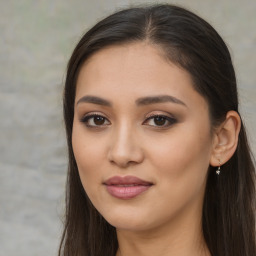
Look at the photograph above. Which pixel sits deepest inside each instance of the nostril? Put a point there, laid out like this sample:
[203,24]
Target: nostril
[122,163]
[125,160]
[125,150]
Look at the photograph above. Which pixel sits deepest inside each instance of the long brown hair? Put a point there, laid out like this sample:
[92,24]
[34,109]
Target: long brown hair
[190,42]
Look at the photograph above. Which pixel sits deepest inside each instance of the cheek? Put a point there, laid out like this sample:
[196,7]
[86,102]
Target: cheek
[183,158]
[89,156]
[181,164]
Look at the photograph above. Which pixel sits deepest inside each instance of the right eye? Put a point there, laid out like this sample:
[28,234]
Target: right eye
[95,120]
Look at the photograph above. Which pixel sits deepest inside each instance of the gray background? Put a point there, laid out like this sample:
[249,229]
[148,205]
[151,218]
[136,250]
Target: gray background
[36,40]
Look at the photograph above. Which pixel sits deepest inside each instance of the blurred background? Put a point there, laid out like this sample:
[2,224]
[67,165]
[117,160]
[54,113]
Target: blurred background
[36,40]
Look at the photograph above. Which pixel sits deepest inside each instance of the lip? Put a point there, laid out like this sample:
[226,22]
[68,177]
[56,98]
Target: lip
[126,187]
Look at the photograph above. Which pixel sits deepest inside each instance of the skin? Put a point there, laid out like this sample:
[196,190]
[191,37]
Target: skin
[174,157]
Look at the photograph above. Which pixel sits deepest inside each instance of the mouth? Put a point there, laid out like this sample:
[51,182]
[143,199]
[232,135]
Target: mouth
[126,187]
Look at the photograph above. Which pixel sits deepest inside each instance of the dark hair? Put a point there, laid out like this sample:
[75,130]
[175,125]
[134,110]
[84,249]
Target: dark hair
[190,42]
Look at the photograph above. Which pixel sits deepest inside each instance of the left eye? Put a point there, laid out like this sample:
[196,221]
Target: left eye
[160,121]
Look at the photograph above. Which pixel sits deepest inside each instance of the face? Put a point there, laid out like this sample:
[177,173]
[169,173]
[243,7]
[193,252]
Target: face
[141,138]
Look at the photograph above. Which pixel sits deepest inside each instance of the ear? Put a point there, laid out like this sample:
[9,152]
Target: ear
[225,139]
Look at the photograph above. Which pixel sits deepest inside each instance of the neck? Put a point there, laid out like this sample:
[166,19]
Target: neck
[184,237]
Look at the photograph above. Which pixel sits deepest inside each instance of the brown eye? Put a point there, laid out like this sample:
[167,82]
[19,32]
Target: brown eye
[99,120]
[95,121]
[160,121]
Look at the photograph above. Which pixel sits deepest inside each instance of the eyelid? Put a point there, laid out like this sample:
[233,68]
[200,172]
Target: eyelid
[169,118]
[172,120]
[163,114]
[90,115]
[157,113]
[93,114]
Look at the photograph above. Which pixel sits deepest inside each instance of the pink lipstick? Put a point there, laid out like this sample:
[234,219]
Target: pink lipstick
[126,187]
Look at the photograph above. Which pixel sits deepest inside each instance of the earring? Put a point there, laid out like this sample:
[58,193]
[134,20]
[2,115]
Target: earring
[218,170]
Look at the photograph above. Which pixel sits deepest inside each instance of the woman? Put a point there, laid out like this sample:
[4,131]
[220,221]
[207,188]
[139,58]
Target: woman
[158,158]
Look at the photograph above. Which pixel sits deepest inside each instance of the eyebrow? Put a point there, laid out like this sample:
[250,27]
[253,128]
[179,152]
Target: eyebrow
[158,99]
[94,100]
[139,102]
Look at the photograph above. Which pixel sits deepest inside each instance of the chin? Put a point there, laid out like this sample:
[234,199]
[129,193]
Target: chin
[130,221]
[129,225]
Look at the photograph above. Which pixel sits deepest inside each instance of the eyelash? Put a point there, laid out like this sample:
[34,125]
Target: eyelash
[87,118]
[165,118]
[168,119]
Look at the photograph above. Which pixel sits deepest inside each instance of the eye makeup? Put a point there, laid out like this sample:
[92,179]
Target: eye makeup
[158,121]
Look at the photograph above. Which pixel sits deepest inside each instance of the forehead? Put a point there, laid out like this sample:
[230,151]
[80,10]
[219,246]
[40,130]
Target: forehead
[134,70]
[133,59]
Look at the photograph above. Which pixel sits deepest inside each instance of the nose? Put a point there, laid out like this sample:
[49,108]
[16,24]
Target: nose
[125,149]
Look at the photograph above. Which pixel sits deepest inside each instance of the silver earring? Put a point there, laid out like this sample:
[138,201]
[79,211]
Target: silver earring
[218,170]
